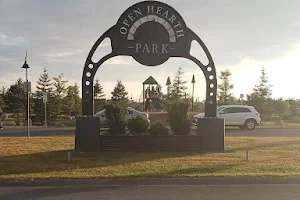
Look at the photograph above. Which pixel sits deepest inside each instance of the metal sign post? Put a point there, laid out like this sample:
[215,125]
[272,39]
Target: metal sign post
[45,99]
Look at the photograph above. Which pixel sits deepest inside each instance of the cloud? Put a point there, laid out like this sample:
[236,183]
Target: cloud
[12,41]
[240,35]
[281,72]
[296,23]
[62,56]
[119,61]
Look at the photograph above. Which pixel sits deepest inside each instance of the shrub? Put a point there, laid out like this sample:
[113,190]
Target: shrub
[158,129]
[137,125]
[115,118]
[178,118]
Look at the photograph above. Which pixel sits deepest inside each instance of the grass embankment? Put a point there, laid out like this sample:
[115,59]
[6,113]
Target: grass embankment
[34,158]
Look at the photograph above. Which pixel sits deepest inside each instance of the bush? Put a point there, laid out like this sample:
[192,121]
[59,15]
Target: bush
[178,118]
[115,118]
[158,129]
[137,125]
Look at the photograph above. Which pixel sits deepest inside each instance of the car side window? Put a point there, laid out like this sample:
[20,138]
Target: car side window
[235,110]
[243,110]
[228,110]
[130,112]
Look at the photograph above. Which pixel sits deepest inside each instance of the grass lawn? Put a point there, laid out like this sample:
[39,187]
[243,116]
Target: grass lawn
[34,158]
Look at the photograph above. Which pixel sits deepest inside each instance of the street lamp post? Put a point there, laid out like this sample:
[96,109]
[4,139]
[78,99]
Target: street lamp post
[27,88]
[168,83]
[241,98]
[193,82]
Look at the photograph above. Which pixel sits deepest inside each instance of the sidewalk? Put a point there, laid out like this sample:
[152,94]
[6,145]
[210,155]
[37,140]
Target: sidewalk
[155,181]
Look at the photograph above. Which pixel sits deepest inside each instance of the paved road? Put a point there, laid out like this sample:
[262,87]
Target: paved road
[265,132]
[151,192]
[258,132]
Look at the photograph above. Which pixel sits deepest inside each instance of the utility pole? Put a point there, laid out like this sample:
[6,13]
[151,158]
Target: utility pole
[193,82]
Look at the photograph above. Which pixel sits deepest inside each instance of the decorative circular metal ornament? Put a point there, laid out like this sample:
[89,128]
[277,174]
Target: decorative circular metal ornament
[151,32]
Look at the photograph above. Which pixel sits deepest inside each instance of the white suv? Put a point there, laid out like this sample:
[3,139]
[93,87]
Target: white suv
[243,116]
[131,113]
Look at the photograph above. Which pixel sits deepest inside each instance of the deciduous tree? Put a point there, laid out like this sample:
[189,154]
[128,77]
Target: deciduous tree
[60,89]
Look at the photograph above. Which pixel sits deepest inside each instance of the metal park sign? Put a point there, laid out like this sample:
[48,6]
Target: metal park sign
[151,32]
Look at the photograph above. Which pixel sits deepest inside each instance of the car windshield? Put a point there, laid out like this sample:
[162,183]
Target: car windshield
[220,108]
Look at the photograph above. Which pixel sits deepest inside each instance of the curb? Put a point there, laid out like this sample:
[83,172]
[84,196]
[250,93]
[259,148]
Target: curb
[153,181]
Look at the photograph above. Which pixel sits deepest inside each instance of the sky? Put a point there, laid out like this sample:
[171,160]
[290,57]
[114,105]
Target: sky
[242,36]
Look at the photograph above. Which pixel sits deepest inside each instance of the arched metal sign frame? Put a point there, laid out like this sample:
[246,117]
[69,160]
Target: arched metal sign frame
[151,32]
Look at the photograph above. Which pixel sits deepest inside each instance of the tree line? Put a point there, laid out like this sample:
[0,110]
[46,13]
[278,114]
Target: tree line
[63,100]
[260,98]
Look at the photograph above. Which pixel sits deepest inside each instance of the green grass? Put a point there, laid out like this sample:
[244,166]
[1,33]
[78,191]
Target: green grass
[40,158]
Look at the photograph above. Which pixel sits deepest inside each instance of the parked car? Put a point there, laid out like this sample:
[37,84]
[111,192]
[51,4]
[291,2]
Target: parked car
[243,116]
[130,114]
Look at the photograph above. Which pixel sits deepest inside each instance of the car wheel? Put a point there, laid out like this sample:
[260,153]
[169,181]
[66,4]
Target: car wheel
[250,124]
[242,127]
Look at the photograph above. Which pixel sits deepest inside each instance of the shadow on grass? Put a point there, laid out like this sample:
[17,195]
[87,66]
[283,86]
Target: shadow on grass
[50,163]
[55,161]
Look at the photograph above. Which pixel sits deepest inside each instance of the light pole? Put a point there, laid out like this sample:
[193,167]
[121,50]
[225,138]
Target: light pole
[45,99]
[193,82]
[27,88]
[168,83]
[241,98]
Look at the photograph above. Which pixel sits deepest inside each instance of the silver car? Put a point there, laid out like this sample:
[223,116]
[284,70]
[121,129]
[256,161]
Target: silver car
[243,116]
[130,114]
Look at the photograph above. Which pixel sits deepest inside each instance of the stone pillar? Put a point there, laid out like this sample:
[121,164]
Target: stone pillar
[212,132]
[87,138]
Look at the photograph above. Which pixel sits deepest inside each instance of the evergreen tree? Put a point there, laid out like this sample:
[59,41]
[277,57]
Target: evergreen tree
[59,92]
[98,90]
[99,101]
[260,98]
[178,88]
[15,99]
[59,85]
[2,94]
[262,91]
[224,95]
[119,93]
[44,85]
